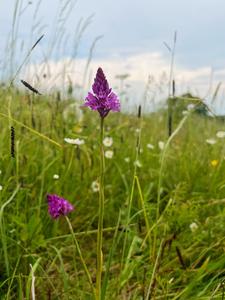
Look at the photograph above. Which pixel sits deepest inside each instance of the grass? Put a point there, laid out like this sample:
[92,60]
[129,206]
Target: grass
[149,248]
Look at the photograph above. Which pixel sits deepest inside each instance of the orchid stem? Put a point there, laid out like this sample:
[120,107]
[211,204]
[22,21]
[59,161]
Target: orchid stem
[100,215]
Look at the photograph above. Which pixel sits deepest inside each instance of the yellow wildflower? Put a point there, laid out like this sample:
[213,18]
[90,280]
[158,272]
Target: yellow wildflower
[214,162]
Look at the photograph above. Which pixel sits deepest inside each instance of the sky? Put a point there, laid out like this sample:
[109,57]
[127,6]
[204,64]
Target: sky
[132,36]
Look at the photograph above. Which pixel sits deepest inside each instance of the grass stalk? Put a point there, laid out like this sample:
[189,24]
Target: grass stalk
[162,162]
[80,255]
[171,85]
[31,130]
[111,253]
[145,213]
[30,288]
[2,229]
[154,273]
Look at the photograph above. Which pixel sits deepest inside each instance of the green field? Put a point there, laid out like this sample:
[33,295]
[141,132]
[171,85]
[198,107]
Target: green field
[164,208]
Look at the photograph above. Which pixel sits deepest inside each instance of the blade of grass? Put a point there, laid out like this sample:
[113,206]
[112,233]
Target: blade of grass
[109,261]
[30,281]
[2,229]
[32,130]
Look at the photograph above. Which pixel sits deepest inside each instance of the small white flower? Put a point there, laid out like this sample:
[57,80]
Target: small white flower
[161,145]
[109,154]
[211,141]
[171,280]
[184,112]
[74,141]
[95,186]
[108,141]
[150,146]
[1,187]
[137,130]
[56,176]
[79,142]
[193,226]
[190,106]
[127,159]
[220,134]
[137,163]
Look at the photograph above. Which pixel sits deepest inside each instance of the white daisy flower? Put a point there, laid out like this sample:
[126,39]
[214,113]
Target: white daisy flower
[190,106]
[95,186]
[108,141]
[138,164]
[171,280]
[220,134]
[193,226]
[127,159]
[56,176]
[211,141]
[109,154]
[161,145]
[77,141]
[150,146]
[1,187]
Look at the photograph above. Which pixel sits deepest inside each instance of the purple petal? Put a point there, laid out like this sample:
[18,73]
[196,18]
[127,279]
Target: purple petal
[58,206]
[91,101]
[113,102]
[103,100]
[100,84]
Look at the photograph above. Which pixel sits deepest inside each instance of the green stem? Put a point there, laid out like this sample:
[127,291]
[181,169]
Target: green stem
[160,180]
[100,215]
[130,200]
[80,255]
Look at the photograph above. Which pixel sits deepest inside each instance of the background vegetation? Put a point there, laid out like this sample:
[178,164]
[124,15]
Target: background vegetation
[164,208]
[168,255]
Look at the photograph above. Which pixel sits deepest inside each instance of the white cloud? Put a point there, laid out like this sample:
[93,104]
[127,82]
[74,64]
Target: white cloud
[51,75]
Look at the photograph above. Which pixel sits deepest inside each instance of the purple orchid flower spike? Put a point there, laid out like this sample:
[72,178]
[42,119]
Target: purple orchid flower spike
[102,99]
[58,206]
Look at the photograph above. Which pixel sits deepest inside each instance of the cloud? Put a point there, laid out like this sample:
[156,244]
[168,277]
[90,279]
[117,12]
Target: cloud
[143,68]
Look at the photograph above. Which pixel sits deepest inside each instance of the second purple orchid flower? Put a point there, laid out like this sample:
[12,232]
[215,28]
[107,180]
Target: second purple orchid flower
[58,206]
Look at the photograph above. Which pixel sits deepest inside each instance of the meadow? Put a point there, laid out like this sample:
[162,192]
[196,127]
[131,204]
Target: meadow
[163,230]
[148,217]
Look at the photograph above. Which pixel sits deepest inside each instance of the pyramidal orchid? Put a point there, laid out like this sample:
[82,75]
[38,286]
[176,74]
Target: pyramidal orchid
[102,99]
[58,206]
